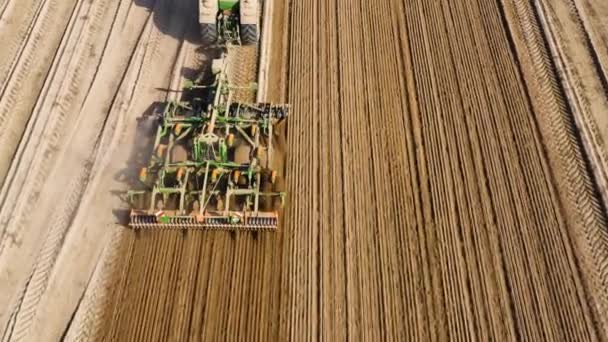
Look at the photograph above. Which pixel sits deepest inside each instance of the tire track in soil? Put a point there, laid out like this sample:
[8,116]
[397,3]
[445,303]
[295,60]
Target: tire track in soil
[53,113]
[151,55]
[92,316]
[47,98]
[19,36]
[584,83]
[14,216]
[546,214]
[27,75]
[423,203]
[57,228]
[584,210]
[90,113]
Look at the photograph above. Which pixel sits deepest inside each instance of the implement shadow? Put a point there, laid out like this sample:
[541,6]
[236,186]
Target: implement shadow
[177,19]
[139,157]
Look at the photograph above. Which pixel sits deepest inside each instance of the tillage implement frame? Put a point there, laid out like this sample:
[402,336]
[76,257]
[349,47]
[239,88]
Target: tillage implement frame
[211,165]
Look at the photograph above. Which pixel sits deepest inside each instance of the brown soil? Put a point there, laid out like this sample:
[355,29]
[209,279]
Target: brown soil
[443,182]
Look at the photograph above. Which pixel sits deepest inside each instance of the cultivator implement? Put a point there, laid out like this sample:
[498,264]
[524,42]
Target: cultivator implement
[211,164]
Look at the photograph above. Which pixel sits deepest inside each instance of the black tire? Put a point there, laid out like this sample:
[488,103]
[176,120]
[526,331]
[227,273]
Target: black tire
[208,34]
[249,34]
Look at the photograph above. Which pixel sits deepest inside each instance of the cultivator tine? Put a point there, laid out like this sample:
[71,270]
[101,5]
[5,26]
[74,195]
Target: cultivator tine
[254,223]
[150,222]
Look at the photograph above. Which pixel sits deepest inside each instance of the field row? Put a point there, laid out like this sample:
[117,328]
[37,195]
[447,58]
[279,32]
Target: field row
[423,201]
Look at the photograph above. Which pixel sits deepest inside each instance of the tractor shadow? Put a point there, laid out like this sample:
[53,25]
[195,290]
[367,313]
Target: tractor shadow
[179,19]
[175,18]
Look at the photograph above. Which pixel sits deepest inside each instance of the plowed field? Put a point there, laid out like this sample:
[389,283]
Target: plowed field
[423,202]
[440,184]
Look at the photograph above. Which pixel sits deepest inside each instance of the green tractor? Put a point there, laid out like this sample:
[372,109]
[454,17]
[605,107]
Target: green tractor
[234,21]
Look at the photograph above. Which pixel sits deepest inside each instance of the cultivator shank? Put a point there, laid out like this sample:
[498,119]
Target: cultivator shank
[142,220]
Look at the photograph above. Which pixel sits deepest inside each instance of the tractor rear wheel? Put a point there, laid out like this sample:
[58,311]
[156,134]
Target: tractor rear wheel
[249,34]
[208,33]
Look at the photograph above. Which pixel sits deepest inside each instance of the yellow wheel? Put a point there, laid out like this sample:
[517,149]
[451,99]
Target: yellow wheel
[143,174]
[178,129]
[160,150]
[230,140]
